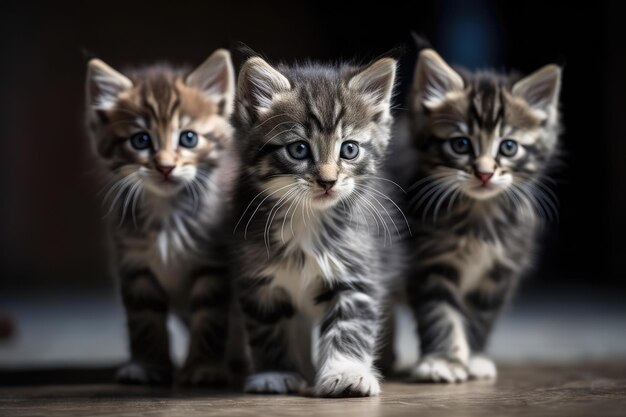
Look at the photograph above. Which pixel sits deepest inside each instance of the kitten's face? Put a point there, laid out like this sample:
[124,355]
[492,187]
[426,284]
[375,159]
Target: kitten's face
[159,129]
[478,135]
[313,134]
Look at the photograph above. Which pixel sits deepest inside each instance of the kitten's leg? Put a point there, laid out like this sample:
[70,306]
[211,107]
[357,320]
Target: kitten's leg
[486,302]
[347,344]
[206,362]
[146,313]
[441,326]
[267,312]
[387,357]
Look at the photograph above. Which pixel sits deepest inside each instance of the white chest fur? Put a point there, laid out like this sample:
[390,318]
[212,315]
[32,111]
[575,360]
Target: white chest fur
[168,249]
[306,266]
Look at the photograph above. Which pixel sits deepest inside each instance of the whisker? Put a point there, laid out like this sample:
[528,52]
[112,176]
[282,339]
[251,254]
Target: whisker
[445,195]
[245,233]
[384,179]
[380,193]
[272,214]
[282,229]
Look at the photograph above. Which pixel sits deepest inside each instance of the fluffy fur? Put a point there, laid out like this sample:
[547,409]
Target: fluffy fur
[480,146]
[160,136]
[314,232]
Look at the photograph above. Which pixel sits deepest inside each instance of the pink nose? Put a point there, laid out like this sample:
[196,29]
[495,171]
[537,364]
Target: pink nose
[165,169]
[484,177]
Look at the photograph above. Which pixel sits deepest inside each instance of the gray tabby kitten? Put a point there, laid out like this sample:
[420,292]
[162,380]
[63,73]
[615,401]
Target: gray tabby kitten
[310,140]
[483,144]
[161,136]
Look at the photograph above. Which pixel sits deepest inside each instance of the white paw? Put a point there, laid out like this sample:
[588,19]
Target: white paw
[439,369]
[137,374]
[347,381]
[481,367]
[274,383]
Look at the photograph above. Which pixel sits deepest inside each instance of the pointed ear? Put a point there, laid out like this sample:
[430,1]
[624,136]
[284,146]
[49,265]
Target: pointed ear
[376,80]
[259,83]
[104,85]
[541,88]
[215,78]
[434,79]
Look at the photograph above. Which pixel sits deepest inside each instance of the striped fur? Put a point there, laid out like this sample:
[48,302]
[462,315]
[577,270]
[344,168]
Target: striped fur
[475,209]
[168,208]
[311,234]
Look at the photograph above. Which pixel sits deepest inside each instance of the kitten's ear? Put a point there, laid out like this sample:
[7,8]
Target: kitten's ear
[259,83]
[215,77]
[541,88]
[376,80]
[104,85]
[433,79]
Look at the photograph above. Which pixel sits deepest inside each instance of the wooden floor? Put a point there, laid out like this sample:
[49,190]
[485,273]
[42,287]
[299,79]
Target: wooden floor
[579,390]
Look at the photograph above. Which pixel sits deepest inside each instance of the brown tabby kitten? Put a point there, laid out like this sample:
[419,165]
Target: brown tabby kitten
[161,135]
[483,144]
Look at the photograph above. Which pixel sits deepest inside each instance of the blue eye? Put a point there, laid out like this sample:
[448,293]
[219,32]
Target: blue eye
[508,147]
[461,145]
[188,139]
[349,150]
[141,141]
[299,150]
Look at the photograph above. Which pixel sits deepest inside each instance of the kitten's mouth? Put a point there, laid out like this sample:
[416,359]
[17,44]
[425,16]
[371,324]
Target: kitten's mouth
[168,182]
[326,195]
[483,187]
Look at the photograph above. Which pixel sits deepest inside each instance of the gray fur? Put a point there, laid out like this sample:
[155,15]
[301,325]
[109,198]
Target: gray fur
[301,262]
[472,241]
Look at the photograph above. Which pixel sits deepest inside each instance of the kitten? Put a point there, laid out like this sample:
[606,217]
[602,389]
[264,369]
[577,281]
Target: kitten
[310,139]
[161,137]
[483,145]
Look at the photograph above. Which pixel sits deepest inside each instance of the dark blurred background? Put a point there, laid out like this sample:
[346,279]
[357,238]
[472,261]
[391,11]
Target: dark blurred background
[50,223]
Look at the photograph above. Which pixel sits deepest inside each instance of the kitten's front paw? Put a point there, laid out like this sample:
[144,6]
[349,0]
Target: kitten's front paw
[204,375]
[439,369]
[481,367]
[347,381]
[274,383]
[135,373]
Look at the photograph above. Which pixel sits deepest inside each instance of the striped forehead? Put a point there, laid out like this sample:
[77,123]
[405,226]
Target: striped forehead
[486,106]
[323,121]
[161,100]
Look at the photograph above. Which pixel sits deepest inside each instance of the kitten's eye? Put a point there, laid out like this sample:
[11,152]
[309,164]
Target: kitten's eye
[349,150]
[461,145]
[141,141]
[299,150]
[508,147]
[188,139]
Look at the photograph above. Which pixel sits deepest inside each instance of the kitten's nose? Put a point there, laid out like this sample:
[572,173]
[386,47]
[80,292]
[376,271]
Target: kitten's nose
[165,169]
[484,177]
[326,184]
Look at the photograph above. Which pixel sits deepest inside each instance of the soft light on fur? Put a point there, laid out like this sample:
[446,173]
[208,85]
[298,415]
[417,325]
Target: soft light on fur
[160,137]
[314,232]
[479,150]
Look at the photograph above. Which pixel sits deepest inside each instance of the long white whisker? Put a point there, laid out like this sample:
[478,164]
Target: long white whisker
[127,200]
[272,214]
[380,193]
[382,206]
[245,233]
[248,207]
[294,200]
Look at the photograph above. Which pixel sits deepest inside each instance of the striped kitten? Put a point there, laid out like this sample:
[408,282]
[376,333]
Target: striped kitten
[483,145]
[160,135]
[310,140]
